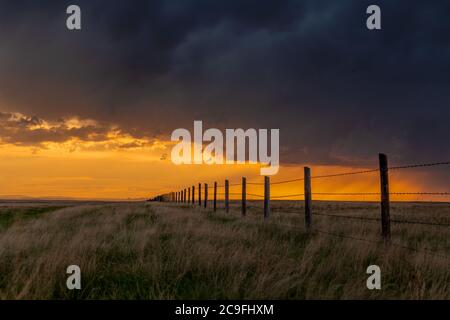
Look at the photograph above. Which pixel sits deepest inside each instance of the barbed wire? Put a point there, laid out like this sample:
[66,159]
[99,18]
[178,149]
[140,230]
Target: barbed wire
[421,222]
[255,195]
[346,217]
[345,193]
[230,193]
[378,193]
[397,221]
[377,220]
[345,174]
[422,193]
[367,218]
[441,193]
[356,173]
[287,181]
[425,251]
[287,196]
[229,185]
[420,165]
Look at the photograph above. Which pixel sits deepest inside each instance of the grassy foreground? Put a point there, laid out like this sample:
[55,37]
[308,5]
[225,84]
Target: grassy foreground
[173,251]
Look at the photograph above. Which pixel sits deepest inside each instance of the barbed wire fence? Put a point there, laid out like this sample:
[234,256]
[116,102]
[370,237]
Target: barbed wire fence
[188,195]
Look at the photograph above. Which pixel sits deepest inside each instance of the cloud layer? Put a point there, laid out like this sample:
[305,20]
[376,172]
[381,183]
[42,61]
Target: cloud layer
[339,93]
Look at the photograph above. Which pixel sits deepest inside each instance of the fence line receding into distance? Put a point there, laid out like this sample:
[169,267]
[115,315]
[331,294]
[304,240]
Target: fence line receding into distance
[184,195]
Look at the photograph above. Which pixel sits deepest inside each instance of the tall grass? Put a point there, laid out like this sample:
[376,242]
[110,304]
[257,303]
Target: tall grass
[173,251]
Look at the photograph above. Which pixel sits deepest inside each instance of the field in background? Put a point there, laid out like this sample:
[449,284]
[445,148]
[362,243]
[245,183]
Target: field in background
[169,251]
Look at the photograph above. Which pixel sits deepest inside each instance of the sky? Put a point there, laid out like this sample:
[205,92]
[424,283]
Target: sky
[89,113]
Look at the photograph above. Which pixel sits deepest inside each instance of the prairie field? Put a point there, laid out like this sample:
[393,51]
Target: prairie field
[157,250]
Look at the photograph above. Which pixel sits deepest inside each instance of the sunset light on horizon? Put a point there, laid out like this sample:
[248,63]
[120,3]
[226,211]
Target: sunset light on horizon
[82,159]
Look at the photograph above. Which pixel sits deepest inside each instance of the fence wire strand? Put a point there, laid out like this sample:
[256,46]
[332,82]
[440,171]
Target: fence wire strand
[371,219]
[420,165]
[288,195]
[377,220]
[424,251]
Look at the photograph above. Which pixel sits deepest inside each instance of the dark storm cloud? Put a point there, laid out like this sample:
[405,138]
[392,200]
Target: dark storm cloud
[339,93]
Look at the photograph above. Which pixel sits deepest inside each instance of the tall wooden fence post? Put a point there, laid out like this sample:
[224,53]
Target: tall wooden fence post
[206,195]
[227,196]
[385,205]
[266,197]
[184,195]
[244,196]
[215,197]
[193,194]
[200,194]
[308,204]
[189,195]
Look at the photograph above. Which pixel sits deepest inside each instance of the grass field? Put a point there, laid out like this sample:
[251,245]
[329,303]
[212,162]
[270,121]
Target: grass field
[173,251]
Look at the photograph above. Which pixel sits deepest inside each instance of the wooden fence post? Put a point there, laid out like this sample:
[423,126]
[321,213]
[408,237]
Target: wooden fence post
[215,197]
[200,194]
[185,195]
[308,207]
[189,195]
[385,205]
[244,196]
[266,197]
[193,194]
[227,196]
[206,196]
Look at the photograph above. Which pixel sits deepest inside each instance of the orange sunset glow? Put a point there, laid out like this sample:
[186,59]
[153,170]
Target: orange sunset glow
[89,160]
